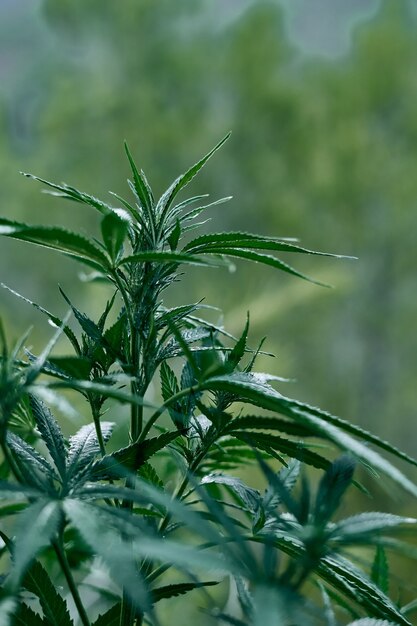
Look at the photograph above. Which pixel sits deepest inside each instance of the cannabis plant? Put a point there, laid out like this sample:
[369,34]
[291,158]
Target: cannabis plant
[168,512]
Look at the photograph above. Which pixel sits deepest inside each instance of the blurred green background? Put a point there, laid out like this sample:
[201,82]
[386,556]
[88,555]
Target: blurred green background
[321,99]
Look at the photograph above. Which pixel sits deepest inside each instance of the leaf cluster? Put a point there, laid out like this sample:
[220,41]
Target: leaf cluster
[169,501]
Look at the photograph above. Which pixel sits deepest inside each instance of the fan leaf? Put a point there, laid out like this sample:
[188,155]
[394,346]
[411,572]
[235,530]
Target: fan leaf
[130,458]
[54,607]
[84,447]
[179,589]
[36,527]
[59,239]
[166,199]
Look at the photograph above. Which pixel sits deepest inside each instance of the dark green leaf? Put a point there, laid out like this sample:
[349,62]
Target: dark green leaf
[380,572]
[179,589]
[131,211]
[266,422]
[325,424]
[115,336]
[169,383]
[187,217]
[11,509]
[168,257]
[38,472]
[105,390]
[332,487]
[265,259]
[170,387]
[148,473]
[287,477]
[70,193]
[142,188]
[166,199]
[54,607]
[234,357]
[281,492]
[51,433]
[174,235]
[248,240]
[26,616]
[346,579]
[175,314]
[110,617]
[89,327]
[293,449]
[113,230]
[58,239]
[354,584]
[132,457]
[65,367]
[55,320]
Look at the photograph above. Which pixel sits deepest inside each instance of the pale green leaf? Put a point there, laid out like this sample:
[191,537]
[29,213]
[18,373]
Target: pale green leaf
[84,446]
[35,529]
[50,431]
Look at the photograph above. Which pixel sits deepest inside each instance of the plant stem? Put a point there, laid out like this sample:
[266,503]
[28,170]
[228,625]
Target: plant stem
[63,561]
[136,420]
[97,425]
[127,613]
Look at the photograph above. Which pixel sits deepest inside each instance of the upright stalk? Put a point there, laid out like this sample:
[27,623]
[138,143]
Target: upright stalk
[96,418]
[63,561]
[128,609]
[136,418]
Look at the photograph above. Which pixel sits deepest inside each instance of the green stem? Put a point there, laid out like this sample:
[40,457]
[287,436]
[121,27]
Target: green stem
[125,298]
[127,614]
[136,419]
[63,561]
[97,425]
[177,494]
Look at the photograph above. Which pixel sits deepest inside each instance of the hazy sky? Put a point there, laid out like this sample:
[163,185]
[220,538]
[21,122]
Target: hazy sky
[324,26]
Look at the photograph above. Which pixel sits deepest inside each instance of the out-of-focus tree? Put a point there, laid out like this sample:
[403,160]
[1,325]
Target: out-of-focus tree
[321,149]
